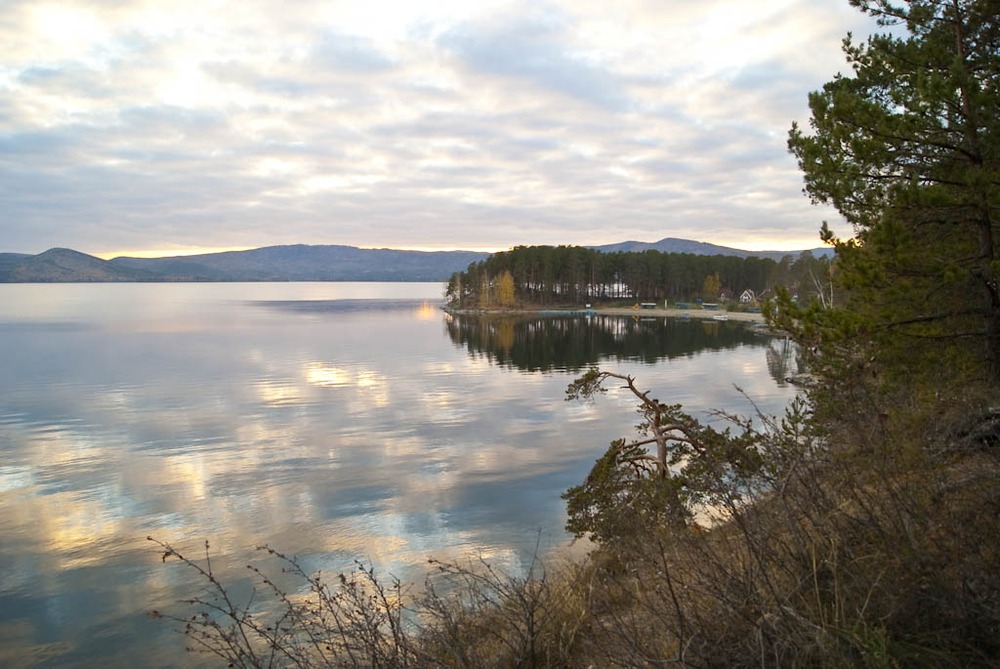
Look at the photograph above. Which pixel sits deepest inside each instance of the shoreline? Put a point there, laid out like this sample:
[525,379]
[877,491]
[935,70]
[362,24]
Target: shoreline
[658,312]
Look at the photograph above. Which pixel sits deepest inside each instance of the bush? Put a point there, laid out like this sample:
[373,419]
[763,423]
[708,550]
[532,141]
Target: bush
[840,547]
[467,615]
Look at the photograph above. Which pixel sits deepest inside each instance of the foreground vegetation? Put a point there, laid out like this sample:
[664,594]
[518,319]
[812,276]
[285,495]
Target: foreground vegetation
[861,528]
[767,547]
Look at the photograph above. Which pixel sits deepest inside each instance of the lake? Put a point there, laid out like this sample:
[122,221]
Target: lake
[333,421]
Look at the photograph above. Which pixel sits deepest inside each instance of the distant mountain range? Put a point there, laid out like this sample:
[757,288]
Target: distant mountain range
[295,263]
[272,263]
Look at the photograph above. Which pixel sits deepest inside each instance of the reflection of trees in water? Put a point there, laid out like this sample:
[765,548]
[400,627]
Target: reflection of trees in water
[783,360]
[540,343]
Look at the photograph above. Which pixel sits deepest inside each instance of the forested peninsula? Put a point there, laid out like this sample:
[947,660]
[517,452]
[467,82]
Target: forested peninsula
[528,276]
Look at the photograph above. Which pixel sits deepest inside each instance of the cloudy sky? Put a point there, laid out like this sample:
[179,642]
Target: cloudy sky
[177,125]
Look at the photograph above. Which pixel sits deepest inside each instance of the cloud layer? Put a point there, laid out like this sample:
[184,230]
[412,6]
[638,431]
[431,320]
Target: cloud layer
[183,124]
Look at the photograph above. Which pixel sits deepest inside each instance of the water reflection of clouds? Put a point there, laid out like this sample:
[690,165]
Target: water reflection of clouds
[374,387]
[333,437]
[277,393]
[509,447]
[12,478]
[446,405]
[326,376]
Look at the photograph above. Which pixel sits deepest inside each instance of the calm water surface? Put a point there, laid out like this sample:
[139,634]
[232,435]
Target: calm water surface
[334,421]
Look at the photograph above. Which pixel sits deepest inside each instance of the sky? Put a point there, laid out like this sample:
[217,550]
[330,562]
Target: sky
[163,127]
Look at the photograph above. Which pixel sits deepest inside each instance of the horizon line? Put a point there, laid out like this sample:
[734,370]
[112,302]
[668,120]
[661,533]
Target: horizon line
[208,250]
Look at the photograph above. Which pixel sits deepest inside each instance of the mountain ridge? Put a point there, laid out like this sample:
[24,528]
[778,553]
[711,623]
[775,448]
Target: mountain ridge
[677,245]
[295,262]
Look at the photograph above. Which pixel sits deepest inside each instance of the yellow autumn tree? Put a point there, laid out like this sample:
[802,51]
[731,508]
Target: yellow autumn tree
[506,289]
[712,288]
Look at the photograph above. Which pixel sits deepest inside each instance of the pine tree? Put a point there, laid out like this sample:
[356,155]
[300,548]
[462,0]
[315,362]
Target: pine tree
[908,150]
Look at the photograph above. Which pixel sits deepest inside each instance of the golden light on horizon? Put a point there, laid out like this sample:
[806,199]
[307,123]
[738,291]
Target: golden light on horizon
[452,247]
[169,253]
[768,244]
[202,250]
[790,245]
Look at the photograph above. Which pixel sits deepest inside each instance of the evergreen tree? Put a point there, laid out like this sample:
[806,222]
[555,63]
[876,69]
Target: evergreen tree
[908,150]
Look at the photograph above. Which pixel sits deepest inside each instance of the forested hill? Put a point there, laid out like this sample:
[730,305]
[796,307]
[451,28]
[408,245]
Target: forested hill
[287,263]
[272,263]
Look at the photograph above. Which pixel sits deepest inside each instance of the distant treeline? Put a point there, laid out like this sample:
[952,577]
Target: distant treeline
[551,275]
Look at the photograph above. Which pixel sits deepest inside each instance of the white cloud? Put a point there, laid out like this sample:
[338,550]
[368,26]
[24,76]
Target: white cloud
[155,124]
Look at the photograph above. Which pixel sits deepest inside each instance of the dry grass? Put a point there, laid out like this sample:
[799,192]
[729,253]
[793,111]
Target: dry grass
[854,556]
